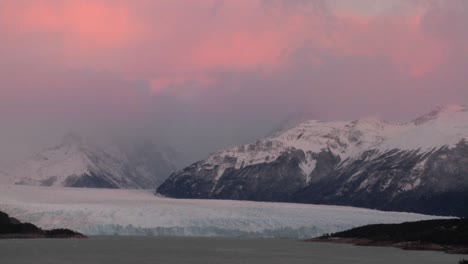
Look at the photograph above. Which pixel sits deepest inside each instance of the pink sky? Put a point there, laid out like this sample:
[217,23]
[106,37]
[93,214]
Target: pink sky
[234,62]
[168,42]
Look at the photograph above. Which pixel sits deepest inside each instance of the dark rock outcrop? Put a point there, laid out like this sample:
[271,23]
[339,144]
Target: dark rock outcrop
[431,183]
[278,180]
[12,228]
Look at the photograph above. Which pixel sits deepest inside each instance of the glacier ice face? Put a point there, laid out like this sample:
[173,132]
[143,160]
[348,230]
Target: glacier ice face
[138,212]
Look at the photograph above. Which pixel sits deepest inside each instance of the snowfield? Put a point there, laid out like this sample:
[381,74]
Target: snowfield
[139,212]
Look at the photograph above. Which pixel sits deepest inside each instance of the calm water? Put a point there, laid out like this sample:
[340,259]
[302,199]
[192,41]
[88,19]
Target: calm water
[204,250]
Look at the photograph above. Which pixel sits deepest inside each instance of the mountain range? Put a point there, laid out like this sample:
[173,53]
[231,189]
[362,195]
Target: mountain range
[77,162]
[417,166]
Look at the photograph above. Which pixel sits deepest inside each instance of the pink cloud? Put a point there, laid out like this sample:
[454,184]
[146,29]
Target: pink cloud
[225,69]
[399,38]
[170,41]
[74,33]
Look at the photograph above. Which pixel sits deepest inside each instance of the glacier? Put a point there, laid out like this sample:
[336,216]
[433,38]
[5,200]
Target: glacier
[141,213]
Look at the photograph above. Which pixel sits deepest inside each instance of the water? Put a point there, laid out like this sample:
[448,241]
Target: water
[142,250]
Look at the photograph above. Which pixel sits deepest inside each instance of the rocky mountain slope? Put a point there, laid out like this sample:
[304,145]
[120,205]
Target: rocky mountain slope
[419,166]
[78,163]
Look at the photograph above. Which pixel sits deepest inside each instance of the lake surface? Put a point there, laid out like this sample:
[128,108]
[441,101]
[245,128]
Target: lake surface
[142,250]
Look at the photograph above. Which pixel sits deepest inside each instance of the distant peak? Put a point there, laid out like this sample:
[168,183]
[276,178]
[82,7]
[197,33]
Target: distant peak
[291,122]
[453,108]
[441,111]
[72,139]
[371,120]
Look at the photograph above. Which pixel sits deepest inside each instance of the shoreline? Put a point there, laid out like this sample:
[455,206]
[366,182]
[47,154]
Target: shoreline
[407,245]
[41,236]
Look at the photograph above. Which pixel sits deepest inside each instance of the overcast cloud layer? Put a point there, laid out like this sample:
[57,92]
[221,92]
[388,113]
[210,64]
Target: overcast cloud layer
[205,74]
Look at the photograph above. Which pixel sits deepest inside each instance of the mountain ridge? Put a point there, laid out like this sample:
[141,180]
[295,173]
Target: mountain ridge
[79,162]
[330,162]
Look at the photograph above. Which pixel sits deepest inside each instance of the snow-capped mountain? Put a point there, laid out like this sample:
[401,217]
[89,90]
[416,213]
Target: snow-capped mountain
[420,166]
[78,163]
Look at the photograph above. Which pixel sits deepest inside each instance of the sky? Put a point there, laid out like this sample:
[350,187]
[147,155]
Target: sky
[203,74]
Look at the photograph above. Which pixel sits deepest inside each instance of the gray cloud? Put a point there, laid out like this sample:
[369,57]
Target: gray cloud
[42,97]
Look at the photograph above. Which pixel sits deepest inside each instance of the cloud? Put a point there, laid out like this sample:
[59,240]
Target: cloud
[180,40]
[209,73]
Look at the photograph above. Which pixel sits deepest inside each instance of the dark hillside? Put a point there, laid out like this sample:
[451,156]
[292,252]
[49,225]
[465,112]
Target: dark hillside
[12,228]
[449,235]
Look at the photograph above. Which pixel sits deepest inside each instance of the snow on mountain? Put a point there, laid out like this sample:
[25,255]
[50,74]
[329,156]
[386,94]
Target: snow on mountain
[344,139]
[77,162]
[138,212]
[445,126]
[316,151]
